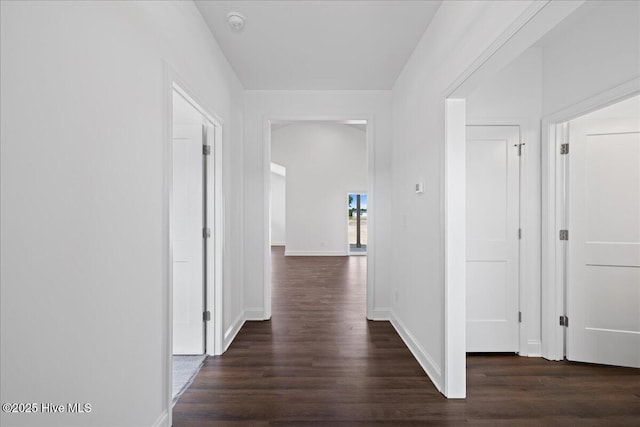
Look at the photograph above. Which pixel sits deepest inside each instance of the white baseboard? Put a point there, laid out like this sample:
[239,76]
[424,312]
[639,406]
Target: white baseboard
[315,253]
[381,313]
[163,420]
[232,331]
[277,243]
[534,348]
[423,358]
[254,314]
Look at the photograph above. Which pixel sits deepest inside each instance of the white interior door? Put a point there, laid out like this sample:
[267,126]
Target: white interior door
[188,274]
[603,274]
[492,221]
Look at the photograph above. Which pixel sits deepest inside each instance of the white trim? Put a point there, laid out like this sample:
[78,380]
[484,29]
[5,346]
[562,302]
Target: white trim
[454,351]
[315,253]
[232,331]
[163,420]
[381,313]
[180,86]
[419,353]
[349,253]
[214,299]
[266,159]
[254,314]
[553,215]
[167,243]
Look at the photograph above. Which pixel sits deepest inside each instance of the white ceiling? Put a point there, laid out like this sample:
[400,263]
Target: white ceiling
[319,44]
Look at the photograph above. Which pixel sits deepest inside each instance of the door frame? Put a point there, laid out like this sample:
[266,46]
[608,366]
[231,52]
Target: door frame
[266,172]
[533,23]
[554,212]
[215,215]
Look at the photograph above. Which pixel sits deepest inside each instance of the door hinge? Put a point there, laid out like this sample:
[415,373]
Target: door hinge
[519,317]
[206,316]
[564,321]
[519,148]
[206,233]
[519,233]
[564,148]
[206,150]
[564,234]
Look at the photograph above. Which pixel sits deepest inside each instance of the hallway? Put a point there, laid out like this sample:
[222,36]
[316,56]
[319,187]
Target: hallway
[319,362]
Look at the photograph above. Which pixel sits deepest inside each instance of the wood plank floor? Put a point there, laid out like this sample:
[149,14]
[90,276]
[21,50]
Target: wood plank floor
[319,362]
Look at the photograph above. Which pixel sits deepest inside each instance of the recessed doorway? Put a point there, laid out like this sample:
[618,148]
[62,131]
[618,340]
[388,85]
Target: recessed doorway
[195,224]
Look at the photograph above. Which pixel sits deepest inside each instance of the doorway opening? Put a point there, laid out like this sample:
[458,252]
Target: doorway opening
[357,223]
[324,158]
[195,236]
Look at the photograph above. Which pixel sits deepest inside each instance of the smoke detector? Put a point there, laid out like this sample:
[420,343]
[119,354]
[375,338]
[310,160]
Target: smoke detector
[236,21]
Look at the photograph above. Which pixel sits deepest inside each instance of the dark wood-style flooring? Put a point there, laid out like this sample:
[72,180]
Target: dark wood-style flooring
[319,362]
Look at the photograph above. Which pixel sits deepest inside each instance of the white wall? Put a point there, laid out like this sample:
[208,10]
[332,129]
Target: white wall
[313,104]
[514,97]
[83,233]
[598,49]
[278,207]
[324,163]
[459,33]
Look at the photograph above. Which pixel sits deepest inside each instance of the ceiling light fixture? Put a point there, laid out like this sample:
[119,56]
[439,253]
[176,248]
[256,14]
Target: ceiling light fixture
[236,21]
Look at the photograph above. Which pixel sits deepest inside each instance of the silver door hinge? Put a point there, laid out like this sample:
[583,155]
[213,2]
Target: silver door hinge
[564,321]
[206,233]
[519,317]
[206,316]
[564,234]
[564,148]
[519,233]
[519,148]
[206,150]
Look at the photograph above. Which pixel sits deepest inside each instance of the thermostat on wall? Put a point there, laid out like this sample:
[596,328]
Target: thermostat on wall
[420,187]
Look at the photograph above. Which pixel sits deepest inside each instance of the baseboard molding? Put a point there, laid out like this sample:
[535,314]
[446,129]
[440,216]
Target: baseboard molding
[315,253]
[251,314]
[534,348]
[383,313]
[163,420]
[428,365]
[232,331]
[277,243]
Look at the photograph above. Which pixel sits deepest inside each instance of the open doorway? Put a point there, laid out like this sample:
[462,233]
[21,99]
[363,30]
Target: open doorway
[196,238]
[324,158]
[357,223]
